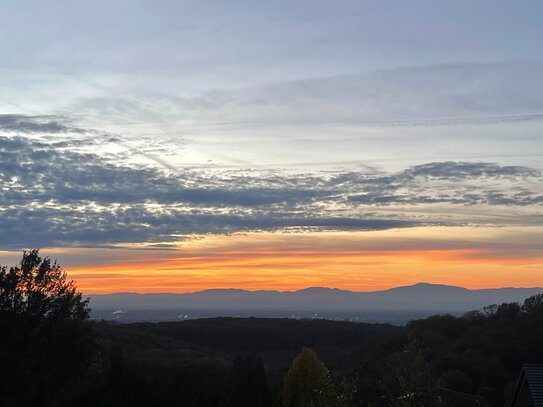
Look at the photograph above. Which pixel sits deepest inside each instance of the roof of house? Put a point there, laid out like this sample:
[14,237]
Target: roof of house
[533,375]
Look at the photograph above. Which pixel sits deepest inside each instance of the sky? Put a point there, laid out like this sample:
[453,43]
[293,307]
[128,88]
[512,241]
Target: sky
[175,146]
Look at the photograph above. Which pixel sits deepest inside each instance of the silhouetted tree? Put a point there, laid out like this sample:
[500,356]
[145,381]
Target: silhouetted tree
[490,309]
[44,346]
[250,382]
[406,380]
[508,310]
[533,305]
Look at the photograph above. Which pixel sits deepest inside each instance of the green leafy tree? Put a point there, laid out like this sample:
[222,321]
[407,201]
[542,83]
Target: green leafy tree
[44,346]
[308,382]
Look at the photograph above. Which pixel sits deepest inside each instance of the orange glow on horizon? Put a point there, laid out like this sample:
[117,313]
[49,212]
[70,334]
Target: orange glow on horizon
[343,260]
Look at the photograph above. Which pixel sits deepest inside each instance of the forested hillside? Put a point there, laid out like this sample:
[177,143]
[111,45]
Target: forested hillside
[223,361]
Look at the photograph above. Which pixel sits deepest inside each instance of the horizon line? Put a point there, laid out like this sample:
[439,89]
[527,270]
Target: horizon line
[313,287]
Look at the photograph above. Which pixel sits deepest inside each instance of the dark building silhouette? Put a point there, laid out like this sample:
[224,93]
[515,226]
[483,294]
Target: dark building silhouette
[529,390]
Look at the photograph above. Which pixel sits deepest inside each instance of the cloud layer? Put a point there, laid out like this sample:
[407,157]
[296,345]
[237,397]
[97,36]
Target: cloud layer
[54,195]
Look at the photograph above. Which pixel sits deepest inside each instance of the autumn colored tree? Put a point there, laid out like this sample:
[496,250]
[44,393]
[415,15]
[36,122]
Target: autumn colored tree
[308,382]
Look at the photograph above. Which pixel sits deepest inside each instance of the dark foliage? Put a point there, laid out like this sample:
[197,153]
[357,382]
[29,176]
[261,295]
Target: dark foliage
[471,358]
[215,362]
[250,384]
[45,351]
[483,353]
[257,334]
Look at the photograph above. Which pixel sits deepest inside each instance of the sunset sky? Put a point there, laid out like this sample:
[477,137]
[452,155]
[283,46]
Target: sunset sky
[175,146]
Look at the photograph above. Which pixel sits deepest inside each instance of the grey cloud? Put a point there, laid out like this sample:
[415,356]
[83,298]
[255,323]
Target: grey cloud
[463,170]
[420,184]
[38,173]
[61,197]
[69,226]
[36,124]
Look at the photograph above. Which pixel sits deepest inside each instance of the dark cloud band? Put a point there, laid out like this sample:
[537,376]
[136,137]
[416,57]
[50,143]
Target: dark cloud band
[53,197]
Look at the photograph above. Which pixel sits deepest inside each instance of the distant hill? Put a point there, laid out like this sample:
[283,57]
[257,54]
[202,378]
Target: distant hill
[394,305]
